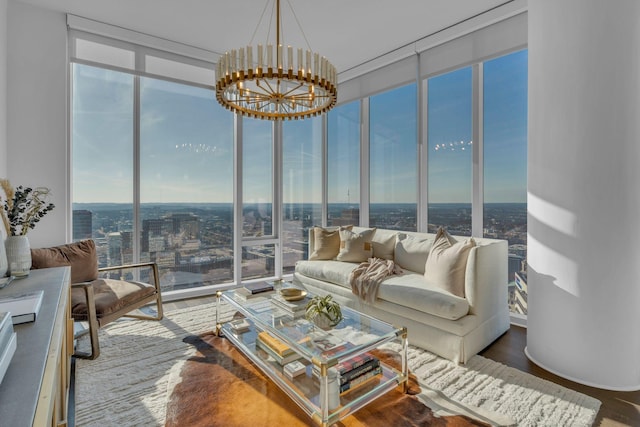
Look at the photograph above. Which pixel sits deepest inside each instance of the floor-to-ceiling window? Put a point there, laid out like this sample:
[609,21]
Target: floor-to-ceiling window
[183,158]
[505,165]
[102,131]
[301,187]
[343,165]
[449,129]
[392,164]
[186,184]
[258,259]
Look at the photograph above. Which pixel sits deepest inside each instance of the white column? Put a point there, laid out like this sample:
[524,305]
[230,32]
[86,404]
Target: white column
[584,195]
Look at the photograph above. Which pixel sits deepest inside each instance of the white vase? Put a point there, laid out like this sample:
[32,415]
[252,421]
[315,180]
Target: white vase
[3,260]
[18,255]
[322,322]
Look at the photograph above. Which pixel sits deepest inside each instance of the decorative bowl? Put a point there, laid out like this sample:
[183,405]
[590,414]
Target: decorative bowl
[293,294]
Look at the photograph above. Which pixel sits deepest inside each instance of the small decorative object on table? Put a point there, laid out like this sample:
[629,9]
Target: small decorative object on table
[21,209]
[324,311]
[239,325]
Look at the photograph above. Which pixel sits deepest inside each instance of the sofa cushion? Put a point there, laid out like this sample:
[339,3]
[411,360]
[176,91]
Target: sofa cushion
[414,291]
[109,295]
[81,256]
[335,272]
[447,262]
[383,244]
[356,247]
[411,252]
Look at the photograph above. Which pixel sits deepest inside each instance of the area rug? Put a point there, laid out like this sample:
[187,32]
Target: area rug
[128,384]
[220,387]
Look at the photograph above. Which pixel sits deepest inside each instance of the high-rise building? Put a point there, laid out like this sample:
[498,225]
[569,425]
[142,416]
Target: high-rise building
[114,242]
[515,263]
[82,224]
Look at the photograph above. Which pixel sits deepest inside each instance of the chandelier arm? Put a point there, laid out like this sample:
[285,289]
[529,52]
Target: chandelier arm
[253,92]
[273,91]
[256,99]
[292,90]
[304,96]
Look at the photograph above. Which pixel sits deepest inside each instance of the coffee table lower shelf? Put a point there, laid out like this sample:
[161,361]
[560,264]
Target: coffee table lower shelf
[304,389]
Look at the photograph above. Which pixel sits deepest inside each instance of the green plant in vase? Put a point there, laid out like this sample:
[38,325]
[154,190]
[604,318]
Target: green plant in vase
[323,311]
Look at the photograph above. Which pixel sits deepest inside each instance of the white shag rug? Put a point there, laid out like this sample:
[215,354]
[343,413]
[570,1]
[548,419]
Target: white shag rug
[127,384]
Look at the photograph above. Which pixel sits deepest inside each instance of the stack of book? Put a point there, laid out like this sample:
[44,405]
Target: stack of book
[251,290]
[7,342]
[356,371]
[275,348]
[294,309]
[294,369]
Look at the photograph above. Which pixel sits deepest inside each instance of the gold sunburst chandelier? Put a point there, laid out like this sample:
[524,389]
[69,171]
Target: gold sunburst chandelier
[266,86]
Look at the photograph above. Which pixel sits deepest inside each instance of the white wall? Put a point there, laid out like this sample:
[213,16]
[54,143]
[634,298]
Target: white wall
[37,111]
[3,89]
[584,203]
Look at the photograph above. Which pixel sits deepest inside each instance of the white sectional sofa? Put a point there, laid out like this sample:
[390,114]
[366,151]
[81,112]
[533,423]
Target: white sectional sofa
[454,327]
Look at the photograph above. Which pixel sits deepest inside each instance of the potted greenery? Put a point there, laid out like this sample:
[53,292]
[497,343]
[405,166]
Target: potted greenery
[323,311]
[21,209]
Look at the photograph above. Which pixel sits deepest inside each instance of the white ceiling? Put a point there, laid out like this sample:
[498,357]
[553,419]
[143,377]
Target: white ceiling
[347,32]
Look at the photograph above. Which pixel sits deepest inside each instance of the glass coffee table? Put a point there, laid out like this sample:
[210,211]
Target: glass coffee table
[318,390]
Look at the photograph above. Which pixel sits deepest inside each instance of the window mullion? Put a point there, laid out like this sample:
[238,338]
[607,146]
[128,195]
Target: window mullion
[137,221]
[237,200]
[477,195]
[276,207]
[364,162]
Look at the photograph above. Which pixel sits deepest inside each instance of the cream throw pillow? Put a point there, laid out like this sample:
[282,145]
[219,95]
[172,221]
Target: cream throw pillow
[356,247]
[411,253]
[447,262]
[326,243]
[383,245]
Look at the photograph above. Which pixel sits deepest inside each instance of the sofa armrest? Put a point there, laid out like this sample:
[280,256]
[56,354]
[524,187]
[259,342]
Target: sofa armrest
[486,278]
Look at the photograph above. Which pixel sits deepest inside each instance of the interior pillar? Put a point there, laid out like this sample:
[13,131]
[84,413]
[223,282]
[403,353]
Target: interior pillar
[583,191]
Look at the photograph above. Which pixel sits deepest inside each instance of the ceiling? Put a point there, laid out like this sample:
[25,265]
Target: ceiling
[347,32]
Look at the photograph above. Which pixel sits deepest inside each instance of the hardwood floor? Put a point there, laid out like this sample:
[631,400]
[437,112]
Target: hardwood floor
[617,409]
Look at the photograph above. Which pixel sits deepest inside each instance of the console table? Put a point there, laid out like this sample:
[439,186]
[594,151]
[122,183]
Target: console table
[35,388]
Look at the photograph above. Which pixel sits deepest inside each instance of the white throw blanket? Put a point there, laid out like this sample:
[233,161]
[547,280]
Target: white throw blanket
[366,278]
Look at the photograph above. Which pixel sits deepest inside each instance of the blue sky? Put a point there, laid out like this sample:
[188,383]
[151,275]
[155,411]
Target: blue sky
[186,152]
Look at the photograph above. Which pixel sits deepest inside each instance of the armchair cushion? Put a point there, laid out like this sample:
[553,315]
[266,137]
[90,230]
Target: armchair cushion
[81,256]
[109,295]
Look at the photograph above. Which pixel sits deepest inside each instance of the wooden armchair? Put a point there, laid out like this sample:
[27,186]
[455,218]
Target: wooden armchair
[101,300]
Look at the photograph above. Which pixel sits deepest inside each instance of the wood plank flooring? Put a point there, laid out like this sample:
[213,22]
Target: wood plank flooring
[617,409]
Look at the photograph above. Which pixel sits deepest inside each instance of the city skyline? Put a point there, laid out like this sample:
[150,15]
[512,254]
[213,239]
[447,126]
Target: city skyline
[192,243]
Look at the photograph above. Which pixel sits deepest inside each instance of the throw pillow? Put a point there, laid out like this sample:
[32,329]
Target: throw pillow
[447,262]
[356,247]
[411,252]
[383,245]
[81,256]
[326,243]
